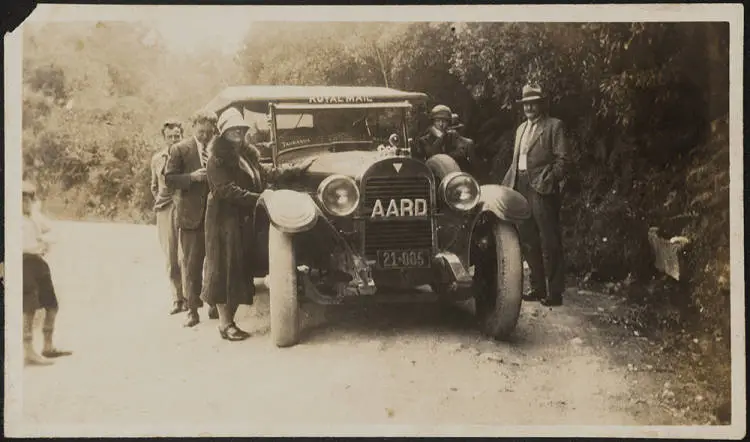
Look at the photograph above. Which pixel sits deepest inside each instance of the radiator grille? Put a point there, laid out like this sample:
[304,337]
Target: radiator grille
[390,187]
[397,235]
[401,232]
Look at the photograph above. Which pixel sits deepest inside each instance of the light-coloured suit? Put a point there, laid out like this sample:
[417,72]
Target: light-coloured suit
[546,157]
[166,223]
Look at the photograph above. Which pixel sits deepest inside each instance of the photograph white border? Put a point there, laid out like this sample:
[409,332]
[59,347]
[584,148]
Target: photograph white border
[732,13]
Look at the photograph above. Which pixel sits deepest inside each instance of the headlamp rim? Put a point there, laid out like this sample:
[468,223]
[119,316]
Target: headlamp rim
[444,188]
[327,182]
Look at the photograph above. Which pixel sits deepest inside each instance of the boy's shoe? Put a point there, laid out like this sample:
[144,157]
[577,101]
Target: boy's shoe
[55,353]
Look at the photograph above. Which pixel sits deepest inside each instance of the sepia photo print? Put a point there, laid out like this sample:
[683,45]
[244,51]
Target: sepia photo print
[374,221]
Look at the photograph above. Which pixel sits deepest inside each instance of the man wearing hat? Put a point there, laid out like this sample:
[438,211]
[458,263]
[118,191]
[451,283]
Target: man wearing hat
[38,289]
[440,138]
[537,171]
[185,173]
[166,225]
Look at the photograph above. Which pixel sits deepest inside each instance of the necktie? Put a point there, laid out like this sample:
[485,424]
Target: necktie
[527,137]
[204,155]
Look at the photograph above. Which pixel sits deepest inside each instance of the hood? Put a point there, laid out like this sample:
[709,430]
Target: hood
[351,164]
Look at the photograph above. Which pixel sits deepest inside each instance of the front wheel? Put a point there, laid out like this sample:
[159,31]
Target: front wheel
[499,282]
[282,275]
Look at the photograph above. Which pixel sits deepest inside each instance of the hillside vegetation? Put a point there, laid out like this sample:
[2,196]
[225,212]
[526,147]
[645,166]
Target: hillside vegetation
[645,105]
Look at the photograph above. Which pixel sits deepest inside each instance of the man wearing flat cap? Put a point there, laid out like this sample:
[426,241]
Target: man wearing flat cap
[185,173]
[166,222]
[537,171]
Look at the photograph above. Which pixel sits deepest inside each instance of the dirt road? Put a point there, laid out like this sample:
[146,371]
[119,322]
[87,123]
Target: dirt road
[136,370]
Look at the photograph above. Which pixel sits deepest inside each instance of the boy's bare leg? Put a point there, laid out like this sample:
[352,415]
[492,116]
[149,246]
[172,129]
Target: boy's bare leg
[31,357]
[48,329]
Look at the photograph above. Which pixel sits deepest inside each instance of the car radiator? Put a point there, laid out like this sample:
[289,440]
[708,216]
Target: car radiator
[396,232]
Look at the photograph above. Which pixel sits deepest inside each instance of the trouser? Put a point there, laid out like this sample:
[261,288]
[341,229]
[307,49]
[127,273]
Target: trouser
[541,240]
[166,225]
[192,257]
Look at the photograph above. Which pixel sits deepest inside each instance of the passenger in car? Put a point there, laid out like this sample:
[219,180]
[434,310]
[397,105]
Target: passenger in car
[440,139]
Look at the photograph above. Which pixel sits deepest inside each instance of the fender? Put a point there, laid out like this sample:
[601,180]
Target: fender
[504,202]
[441,165]
[289,211]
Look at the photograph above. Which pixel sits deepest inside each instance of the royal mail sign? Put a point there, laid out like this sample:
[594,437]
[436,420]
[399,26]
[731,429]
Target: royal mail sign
[339,100]
[399,207]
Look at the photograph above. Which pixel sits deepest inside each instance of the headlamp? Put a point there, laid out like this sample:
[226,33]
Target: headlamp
[460,191]
[339,195]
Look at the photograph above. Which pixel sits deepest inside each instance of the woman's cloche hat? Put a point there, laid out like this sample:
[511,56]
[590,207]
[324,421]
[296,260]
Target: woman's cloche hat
[229,119]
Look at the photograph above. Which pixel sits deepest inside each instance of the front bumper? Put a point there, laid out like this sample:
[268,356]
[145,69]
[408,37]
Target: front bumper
[451,278]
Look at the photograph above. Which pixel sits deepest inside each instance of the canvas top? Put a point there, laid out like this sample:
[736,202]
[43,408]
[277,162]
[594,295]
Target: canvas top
[257,98]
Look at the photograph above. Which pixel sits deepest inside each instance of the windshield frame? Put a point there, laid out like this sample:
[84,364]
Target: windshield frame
[403,106]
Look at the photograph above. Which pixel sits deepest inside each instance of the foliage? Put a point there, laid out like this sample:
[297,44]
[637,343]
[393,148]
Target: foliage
[93,98]
[638,100]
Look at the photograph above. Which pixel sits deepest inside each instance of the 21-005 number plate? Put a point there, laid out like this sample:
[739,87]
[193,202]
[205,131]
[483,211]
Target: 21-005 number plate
[398,259]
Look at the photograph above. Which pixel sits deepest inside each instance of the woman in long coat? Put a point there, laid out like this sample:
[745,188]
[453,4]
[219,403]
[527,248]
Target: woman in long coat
[236,180]
[234,187]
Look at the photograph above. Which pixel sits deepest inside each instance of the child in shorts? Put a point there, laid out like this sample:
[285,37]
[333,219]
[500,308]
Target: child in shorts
[38,289]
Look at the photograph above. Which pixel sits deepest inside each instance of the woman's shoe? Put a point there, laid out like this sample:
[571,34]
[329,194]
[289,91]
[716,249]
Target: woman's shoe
[233,333]
[213,312]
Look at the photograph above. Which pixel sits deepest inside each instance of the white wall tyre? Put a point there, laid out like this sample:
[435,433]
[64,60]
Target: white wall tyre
[282,276]
[500,284]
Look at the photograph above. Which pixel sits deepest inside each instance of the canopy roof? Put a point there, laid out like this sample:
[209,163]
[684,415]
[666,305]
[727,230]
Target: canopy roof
[257,98]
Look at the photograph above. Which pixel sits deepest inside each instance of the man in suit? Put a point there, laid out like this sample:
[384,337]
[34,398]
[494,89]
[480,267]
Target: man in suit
[185,173]
[537,171]
[166,221]
[440,138]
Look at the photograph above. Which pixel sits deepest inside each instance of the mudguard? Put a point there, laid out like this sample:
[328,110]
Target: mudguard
[504,202]
[289,211]
[441,165]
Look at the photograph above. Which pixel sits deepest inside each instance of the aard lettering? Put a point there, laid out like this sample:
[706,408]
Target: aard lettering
[340,100]
[402,207]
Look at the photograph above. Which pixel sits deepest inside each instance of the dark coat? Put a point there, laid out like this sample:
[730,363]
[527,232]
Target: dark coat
[189,197]
[546,158]
[451,143]
[229,220]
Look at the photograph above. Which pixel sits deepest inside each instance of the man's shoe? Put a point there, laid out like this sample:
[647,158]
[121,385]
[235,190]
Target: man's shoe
[532,297]
[552,301]
[178,307]
[192,319]
[213,312]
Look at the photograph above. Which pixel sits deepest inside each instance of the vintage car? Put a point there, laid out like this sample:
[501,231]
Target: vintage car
[366,222]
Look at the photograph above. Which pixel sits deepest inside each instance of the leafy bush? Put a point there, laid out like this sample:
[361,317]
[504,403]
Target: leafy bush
[638,101]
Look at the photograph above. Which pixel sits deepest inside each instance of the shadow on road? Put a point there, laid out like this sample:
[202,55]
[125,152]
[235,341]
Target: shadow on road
[385,321]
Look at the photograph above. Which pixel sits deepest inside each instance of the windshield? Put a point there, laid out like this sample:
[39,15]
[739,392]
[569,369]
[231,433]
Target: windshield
[338,129]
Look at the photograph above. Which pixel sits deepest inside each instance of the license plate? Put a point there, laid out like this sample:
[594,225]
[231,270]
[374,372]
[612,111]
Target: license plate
[399,259]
